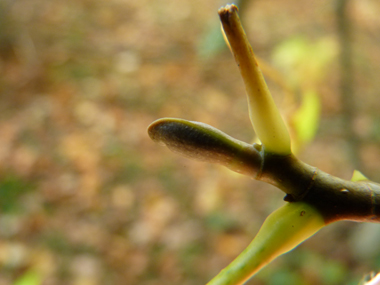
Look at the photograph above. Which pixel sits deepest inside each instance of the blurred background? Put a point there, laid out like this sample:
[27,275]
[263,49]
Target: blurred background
[87,198]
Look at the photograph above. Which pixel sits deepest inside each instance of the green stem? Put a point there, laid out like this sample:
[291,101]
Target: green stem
[282,231]
[265,117]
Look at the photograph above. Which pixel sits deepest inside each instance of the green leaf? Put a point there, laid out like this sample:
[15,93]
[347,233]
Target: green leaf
[306,118]
[31,277]
[303,60]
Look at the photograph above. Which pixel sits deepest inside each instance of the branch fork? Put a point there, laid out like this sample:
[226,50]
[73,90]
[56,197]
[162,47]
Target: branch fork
[314,198]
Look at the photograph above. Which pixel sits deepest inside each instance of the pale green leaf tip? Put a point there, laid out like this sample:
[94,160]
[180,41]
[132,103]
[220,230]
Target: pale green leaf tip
[306,117]
[31,277]
[358,176]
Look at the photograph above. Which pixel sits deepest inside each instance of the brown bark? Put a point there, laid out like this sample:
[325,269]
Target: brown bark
[335,198]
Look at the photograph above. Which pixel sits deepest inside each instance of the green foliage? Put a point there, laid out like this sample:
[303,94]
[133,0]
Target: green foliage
[211,43]
[219,222]
[304,61]
[306,118]
[285,277]
[31,277]
[11,189]
[333,272]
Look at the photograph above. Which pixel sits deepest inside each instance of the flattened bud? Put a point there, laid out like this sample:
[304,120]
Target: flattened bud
[203,142]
